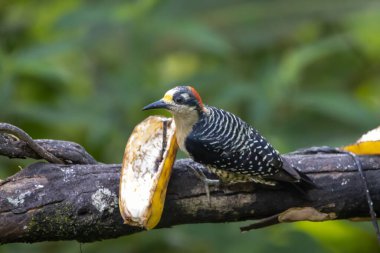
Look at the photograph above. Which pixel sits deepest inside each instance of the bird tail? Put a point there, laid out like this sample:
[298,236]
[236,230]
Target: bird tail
[306,182]
[290,175]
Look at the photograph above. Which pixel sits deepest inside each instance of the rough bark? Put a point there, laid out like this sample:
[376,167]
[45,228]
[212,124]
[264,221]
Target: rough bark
[80,202]
[69,152]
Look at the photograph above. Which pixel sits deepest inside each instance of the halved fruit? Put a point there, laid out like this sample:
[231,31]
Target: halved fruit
[147,165]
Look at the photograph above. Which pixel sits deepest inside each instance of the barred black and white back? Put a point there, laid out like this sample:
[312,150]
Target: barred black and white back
[235,151]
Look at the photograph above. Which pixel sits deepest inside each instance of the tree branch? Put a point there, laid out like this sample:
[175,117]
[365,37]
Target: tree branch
[80,202]
[15,143]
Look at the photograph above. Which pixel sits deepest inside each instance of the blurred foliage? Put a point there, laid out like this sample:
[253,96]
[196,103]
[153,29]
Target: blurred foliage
[303,72]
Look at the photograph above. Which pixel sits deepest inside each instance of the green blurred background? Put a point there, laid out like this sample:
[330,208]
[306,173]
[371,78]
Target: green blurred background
[303,72]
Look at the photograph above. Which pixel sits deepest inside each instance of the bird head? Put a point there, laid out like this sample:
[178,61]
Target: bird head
[179,100]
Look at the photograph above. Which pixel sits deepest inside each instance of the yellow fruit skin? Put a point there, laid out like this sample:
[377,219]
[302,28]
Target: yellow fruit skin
[159,195]
[364,148]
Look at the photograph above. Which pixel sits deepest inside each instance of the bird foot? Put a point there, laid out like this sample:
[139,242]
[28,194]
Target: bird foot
[207,181]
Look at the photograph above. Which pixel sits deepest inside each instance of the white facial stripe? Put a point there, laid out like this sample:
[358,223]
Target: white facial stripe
[185,96]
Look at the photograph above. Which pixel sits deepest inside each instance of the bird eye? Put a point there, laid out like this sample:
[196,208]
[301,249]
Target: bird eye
[179,100]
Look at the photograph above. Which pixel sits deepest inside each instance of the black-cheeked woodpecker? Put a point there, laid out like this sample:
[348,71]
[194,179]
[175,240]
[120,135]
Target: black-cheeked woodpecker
[224,143]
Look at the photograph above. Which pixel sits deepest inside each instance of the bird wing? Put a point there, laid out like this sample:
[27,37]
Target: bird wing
[203,151]
[234,146]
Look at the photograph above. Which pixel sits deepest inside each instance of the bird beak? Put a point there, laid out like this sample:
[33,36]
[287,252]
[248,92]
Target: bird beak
[160,104]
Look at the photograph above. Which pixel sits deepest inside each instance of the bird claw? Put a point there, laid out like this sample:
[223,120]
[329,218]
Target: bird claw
[207,182]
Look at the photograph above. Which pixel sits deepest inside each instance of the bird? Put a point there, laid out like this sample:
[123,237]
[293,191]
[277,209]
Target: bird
[226,145]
